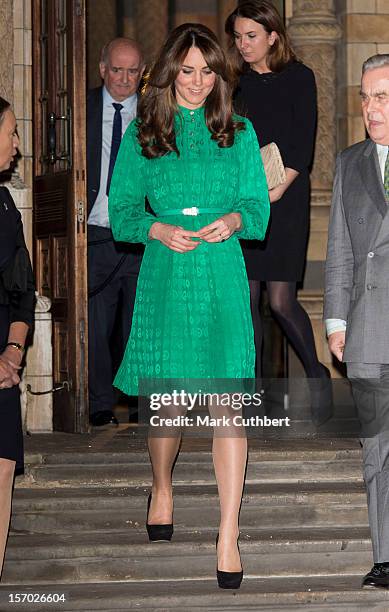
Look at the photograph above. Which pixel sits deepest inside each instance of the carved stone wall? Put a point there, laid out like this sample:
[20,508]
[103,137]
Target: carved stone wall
[365,27]
[224,8]
[16,86]
[101,28]
[315,31]
[151,25]
[6,50]
[201,11]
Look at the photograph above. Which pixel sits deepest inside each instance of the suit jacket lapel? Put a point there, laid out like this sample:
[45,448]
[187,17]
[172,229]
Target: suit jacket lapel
[372,179]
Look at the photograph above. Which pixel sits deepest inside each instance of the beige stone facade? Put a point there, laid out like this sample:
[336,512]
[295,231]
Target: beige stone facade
[16,86]
[365,25]
[334,37]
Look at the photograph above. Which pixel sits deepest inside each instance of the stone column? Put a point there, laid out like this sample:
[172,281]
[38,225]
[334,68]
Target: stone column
[224,8]
[151,25]
[37,410]
[101,28]
[315,31]
[6,50]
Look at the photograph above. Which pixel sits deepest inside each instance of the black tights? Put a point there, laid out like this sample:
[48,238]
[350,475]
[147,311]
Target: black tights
[293,320]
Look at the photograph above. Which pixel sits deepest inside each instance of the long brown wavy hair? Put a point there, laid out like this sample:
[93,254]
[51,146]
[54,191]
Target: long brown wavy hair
[266,14]
[158,105]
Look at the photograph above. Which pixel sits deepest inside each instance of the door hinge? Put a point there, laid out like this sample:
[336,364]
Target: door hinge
[79,7]
[80,212]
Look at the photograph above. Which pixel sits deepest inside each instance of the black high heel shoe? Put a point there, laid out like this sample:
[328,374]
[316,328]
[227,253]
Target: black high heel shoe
[228,580]
[322,402]
[158,533]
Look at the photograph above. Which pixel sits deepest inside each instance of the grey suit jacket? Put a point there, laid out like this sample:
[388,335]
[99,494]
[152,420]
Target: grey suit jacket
[357,266]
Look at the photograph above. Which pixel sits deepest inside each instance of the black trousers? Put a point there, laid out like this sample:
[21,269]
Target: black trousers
[113,270]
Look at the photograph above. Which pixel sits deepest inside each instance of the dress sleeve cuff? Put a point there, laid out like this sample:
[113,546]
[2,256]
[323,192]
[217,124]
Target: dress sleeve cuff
[335,325]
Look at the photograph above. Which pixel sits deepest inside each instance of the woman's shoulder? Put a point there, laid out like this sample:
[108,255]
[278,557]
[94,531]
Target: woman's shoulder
[237,118]
[297,71]
[6,200]
[5,194]
[248,128]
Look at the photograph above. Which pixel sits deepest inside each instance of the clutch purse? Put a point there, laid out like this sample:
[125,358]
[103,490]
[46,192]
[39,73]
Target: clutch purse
[273,165]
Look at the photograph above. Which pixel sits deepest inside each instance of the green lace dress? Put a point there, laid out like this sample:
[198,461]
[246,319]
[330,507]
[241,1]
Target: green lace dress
[192,315]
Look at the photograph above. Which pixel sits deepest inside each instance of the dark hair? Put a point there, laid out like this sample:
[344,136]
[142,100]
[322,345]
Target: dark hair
[4,106]
[266,14]
[158,105]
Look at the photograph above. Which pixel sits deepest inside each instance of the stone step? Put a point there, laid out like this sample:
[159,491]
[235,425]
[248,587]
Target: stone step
[139,473]
[266,453]
[272,518]
[285,594]
[262,541]
[186,496]
[273,507]
[183,563]
[127,556]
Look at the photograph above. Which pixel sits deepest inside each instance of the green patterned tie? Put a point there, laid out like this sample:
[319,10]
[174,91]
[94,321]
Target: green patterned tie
[386,176]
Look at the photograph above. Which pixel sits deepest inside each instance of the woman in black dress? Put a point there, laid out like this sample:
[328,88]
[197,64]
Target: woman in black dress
[278,94]
[16,317]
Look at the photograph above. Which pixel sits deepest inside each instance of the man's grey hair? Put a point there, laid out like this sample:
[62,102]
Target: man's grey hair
[128,42]
[376,61]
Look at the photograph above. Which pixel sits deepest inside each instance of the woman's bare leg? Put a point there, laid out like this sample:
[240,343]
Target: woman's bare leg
[7,471]
[229,451]
[163,452]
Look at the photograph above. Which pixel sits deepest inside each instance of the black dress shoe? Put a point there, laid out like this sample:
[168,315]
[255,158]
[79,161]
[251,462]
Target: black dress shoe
[228,580]
[103,417]
[322,402]
[378,576]
[158,533]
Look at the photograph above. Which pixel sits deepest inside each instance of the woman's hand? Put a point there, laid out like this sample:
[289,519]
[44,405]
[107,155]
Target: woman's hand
[8,371]
[174,237]
[276,193]
[222,228]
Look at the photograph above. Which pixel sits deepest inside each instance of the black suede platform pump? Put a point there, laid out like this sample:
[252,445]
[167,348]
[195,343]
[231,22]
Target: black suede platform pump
[322,401]
[158,533]
[228,580]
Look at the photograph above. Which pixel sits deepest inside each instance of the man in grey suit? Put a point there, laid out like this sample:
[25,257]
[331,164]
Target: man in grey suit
[356,306]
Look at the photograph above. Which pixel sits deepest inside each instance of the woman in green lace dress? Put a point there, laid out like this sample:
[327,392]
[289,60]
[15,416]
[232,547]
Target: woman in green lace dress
[201,170]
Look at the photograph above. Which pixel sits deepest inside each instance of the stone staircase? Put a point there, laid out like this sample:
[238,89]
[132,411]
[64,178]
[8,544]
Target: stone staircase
[79,514]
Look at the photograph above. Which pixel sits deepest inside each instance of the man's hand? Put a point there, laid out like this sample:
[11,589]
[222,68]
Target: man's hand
[336,342]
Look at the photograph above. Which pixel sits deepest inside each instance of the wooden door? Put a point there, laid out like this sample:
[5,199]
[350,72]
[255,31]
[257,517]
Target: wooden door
[60,197]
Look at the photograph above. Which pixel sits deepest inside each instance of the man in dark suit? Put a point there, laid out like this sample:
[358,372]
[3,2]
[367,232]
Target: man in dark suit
[112,268]
[356,296]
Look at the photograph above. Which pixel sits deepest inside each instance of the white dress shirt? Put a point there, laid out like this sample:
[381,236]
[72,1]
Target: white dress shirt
[334,325]
[99,213]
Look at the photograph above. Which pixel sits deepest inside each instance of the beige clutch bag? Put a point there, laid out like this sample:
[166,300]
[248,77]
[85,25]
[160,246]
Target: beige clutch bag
[273,165]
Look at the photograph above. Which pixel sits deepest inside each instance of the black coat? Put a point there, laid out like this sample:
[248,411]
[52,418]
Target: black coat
[282,108]
[17,287]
